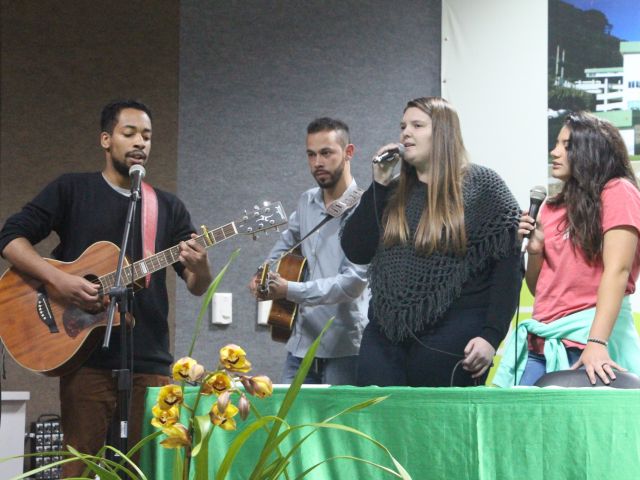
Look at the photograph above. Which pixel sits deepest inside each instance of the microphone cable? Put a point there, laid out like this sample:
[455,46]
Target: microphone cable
[444,352]
[515,331]
[415,338]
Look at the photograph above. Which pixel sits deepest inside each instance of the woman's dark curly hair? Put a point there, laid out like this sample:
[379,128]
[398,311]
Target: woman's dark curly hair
[596,154]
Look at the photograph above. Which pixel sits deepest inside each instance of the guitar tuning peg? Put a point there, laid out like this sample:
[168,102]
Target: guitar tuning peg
[256,207]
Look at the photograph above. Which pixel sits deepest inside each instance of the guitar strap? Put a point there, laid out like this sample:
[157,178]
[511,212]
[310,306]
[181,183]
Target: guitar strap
[345,202]
[336,209]
[149,223]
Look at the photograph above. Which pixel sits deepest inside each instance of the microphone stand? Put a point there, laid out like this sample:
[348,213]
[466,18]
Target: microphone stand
[122,295]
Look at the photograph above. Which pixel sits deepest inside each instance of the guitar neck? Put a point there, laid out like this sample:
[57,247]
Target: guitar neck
[158,261]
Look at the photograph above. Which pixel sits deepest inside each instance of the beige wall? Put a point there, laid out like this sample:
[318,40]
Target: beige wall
[60,63]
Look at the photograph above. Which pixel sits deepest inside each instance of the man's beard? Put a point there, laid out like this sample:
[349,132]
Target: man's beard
[333,178]
[121,168]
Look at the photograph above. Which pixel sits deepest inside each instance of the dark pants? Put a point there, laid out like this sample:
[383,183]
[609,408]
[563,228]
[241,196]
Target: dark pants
[88,399]
[430,361]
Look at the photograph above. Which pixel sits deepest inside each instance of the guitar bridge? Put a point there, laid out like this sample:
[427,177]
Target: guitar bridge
[43,308]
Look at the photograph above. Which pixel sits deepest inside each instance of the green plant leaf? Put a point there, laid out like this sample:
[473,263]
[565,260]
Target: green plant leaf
[281,437]
[202,460]
[202,427]
[400,473]
[288,400]
[119,466]
[92,463]
[356,459]
[33,472]
[93,466]
[336,426]
[178,464]
[276,468]
[112,465]
[142,443]
[207,300]
[239,441]
[280,460]
[356,407]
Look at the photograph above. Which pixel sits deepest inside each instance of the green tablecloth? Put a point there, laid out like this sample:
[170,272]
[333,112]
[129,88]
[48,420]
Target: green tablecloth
[450,433]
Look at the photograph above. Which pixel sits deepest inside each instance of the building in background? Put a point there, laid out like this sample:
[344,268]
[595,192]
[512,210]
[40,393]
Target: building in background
[617,93]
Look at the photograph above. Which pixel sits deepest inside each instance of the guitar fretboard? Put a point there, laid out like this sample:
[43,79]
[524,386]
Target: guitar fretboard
[158,261]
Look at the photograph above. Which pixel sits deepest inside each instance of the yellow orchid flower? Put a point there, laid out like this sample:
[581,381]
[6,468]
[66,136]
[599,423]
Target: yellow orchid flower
[177,436]
[164,418]
[169,396]
[262,386]
[234,358]
[217,383]
[225,419]
[187,369]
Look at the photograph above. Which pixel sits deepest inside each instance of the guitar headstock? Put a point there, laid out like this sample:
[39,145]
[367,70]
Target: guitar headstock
[261,218]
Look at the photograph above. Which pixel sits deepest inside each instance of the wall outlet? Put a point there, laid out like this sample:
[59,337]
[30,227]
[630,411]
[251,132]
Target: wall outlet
[263,311]
[221,308]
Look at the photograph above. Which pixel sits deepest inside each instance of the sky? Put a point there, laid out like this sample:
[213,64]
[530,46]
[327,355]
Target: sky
[623,15]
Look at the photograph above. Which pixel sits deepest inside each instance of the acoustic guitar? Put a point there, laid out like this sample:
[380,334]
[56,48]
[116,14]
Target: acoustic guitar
[282,315]
[52,338]
[291,267]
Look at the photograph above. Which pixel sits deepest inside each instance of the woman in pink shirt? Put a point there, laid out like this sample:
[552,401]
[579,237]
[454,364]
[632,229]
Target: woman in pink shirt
[583,257]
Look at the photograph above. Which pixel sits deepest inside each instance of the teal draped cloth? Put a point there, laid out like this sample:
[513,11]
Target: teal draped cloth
[624,343]
[475,433]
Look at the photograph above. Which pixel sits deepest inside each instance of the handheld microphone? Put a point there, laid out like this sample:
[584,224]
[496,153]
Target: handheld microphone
[137,173]
[536,196]
[390,154]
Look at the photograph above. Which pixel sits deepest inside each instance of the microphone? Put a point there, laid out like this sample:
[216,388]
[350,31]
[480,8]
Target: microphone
[390,154]
[137,173]
[536,196]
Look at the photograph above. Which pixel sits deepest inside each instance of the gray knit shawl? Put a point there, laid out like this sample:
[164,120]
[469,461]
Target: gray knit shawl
[411,292]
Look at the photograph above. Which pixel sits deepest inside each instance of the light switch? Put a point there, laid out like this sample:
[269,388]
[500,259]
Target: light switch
[263,311]
[221,307]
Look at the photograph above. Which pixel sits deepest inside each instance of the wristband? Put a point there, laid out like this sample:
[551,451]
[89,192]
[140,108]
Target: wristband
[597,340]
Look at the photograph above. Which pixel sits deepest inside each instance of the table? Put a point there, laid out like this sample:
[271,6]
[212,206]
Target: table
[450,433]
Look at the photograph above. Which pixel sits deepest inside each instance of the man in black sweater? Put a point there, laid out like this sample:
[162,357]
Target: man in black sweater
[85,208]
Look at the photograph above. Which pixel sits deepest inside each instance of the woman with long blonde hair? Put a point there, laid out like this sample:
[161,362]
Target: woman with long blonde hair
[444,271]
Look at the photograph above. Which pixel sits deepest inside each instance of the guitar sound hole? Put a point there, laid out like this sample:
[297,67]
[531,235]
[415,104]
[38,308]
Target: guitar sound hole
[95,280]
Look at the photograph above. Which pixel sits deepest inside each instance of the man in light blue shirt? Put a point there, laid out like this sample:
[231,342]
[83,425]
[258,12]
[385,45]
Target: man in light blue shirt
[332,285]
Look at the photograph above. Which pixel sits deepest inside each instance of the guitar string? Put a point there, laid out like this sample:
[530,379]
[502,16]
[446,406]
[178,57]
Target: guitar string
[129,270]
[339,206]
